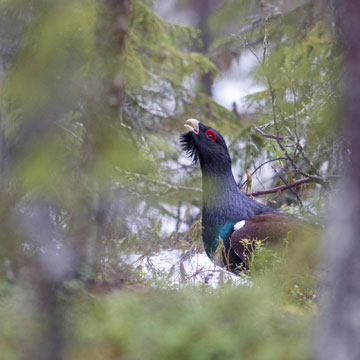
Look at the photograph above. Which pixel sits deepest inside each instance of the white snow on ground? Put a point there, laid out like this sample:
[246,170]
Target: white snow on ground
[178,269]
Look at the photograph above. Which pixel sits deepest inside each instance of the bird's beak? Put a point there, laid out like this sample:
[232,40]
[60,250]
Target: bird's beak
[192,125]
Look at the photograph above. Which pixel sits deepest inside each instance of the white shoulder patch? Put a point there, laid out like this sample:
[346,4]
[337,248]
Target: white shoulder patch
[239,225]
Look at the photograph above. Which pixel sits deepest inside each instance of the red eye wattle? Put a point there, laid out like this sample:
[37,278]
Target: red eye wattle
[210,135]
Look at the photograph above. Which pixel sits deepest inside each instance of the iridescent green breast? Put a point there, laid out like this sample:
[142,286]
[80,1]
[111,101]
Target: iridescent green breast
[212,235]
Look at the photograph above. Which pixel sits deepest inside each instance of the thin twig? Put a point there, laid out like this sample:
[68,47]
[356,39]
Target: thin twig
[298,144]
[315,178]
[170,187]
[258,167]
[290,188]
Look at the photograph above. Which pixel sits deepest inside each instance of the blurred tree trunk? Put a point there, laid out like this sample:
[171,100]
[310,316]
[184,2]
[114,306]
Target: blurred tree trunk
[11,25]
[203,9]
[111,36]
[339,334]
[12,21]
[61,254]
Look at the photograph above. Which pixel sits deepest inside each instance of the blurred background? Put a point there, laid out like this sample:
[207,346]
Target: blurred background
[94,95]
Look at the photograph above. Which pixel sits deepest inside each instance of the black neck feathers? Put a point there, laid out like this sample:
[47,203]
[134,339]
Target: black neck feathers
[223,201]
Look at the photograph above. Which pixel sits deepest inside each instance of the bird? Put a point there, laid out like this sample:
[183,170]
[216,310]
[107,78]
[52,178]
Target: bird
[229,217]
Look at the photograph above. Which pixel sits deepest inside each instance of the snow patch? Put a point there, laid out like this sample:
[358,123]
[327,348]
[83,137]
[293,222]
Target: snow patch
[179,269]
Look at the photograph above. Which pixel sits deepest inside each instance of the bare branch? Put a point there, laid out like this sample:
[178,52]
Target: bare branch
[282,187]
[269,136]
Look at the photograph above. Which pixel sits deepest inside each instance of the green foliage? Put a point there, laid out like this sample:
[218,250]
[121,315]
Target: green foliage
[229,323]
[155,48]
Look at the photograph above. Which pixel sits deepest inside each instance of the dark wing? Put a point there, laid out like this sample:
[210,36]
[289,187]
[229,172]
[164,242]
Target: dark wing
[272,227]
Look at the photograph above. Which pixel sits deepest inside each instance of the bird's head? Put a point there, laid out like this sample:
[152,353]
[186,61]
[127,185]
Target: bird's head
[205,144]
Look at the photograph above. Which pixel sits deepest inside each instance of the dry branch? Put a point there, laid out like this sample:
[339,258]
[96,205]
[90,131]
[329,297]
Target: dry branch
[281,188]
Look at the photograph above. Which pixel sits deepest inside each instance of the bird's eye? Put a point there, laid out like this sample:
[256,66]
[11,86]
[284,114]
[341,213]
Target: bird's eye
[210,135]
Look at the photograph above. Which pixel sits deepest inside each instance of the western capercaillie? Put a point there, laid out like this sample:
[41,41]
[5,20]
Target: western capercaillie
[228,214]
